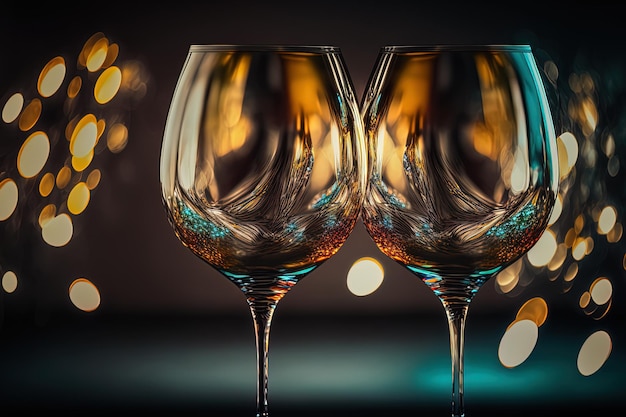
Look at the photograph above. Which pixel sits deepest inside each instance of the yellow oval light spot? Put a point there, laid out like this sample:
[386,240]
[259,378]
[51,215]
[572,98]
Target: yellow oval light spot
[508,278]
[579,249]
[615,234]
[74,86]
[517,343]
[84,295]
[88,47]
[93,179]
[543,251]
[606,220]
[559,257]
[571,272]
[535,309]
[63,177]
[601,291]
[33,154]
[84,136]
[12,108]
[78,198]
[51,77]
[107,85]
[8,198]
[584,300]
[365,276]
[594,352]
[117,138]
[567,148]
[113,52]
[58,231]
[47,213]
[97,55]
[46,184]
[80,164]
[9,281]
[30,115]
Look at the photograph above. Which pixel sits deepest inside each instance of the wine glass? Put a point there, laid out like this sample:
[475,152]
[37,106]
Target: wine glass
[463,169]
[262,168]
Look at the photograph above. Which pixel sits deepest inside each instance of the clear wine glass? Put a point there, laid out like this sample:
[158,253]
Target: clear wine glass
[262,168]
[463,169]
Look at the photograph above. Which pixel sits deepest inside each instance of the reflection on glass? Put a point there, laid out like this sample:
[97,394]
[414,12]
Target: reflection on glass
[463,168]
[261,168]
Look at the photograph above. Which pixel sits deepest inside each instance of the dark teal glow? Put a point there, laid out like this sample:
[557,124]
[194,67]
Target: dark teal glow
[327,197]
[199,225]
[516,224]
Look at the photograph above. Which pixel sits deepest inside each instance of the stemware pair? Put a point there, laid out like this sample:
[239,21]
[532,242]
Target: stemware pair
[268,161]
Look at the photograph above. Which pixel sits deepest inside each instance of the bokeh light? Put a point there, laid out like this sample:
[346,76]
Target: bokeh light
[84,295]
[58,231]
[518,343]
[33,154]
[64,187]
[594,352]
[12,108]
[9,281]
[51,77]
[365,276]
[8,198]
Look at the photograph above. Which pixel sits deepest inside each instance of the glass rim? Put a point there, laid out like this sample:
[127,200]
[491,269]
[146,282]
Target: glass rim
[263,48]
[458,47]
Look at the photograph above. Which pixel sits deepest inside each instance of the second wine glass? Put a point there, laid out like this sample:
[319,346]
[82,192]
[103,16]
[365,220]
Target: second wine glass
[262,168]
[463,168]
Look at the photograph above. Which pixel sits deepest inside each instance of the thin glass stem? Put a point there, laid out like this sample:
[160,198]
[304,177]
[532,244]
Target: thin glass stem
[456,314]
[262,313]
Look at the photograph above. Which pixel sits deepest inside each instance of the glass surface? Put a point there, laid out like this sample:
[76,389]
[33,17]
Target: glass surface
[463,169]
[262,168]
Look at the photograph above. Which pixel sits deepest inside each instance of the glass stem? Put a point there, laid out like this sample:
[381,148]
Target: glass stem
[456,313]
[262,313]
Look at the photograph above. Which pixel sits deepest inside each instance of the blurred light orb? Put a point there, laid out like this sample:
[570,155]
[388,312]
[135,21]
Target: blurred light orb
[46,184]
[12,108]
[51,77]
[508,278]
[30,115]
[9,281]
[567,149]
[80,164]
[518,342]
[543,251]
[117,138]
[78,198]
[535,309]
[594,352]
[47,213]
[97,55]
[58,231]
[579,249]
[601,291]
[63,177]
[74,86]
[8,198]
[365,276]
[93,179]
[33,154]
[84,295]
[84,136]
[607,219]
[107,85]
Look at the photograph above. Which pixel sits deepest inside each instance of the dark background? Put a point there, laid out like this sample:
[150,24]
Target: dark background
[171,334]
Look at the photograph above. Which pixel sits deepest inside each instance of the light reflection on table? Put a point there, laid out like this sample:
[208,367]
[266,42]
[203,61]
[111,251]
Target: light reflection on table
[353,364]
